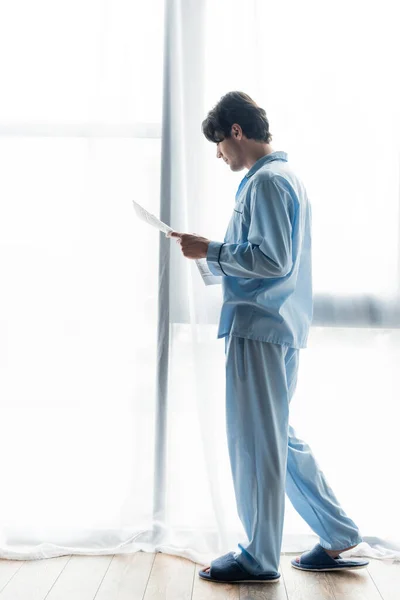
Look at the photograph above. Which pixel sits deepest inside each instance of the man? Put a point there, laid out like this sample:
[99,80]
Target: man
[265,261]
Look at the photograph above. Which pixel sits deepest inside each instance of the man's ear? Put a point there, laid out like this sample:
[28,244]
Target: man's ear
[236,131]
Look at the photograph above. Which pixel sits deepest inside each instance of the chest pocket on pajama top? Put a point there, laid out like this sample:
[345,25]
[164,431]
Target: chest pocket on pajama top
[235,231]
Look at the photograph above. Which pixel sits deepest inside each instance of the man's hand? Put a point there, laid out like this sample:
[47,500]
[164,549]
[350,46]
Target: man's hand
[193,246]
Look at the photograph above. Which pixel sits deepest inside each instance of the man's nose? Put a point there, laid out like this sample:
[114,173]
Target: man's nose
[218,153]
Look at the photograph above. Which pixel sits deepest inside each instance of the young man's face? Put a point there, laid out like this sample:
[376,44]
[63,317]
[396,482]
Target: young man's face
[230,151]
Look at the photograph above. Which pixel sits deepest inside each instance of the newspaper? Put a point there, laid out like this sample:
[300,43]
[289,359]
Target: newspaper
[201,263]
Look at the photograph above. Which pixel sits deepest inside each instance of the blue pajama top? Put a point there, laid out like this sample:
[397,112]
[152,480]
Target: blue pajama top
[265,259]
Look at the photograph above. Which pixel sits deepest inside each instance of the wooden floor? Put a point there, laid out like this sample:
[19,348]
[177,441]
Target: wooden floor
[145,576]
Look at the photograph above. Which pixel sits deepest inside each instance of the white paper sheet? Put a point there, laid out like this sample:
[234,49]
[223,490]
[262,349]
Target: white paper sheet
[201,263]
[150,219]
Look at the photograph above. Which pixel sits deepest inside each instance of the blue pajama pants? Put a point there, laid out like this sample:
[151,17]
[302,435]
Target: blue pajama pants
[268,459]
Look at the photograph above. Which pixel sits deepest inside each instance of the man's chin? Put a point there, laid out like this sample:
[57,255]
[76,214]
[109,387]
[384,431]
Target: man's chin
[236,167]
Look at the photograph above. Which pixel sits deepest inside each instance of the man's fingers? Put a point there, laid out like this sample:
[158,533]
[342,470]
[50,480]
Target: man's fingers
[190,241]
[174,234]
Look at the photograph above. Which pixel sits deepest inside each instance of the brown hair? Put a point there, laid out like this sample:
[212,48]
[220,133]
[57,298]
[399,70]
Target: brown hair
[236,107]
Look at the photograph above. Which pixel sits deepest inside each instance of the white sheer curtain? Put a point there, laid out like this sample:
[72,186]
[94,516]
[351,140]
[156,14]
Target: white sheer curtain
[111,376]
[80,136]
[327,76]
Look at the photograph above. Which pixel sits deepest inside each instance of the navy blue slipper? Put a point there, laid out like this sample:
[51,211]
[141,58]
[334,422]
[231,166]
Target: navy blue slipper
[226,569]
[319,560]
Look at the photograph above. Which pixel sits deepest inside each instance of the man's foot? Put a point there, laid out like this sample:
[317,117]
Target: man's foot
[332,553]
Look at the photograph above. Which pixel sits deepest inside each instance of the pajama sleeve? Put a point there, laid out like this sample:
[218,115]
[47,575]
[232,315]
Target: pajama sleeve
[268,251]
